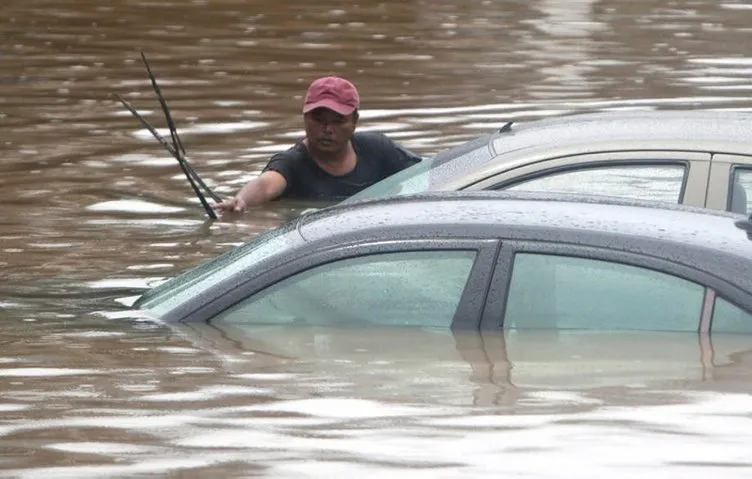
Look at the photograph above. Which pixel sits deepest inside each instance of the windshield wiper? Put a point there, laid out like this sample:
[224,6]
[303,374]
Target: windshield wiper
[175,149]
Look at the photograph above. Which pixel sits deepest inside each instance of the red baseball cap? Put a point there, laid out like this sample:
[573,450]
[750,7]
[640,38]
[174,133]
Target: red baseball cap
[334,93]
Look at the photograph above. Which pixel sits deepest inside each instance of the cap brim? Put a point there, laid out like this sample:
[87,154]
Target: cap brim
[331,105]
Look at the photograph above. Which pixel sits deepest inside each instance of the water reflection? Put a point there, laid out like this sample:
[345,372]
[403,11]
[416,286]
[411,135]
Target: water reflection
[122,398]
[483,369]
[299,401]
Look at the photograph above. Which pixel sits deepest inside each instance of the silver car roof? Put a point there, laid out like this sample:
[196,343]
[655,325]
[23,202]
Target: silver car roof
[516,144]
[706,130]
[689,235]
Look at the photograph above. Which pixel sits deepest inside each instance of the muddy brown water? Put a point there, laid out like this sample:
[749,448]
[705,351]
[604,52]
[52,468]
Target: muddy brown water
[92,211]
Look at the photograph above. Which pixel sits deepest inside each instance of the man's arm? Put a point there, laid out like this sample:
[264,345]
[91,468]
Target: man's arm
[266,187]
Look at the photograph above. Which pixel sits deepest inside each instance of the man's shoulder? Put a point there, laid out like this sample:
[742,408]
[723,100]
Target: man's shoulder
[385,155]
[290,162]
[294,153]
[370,138]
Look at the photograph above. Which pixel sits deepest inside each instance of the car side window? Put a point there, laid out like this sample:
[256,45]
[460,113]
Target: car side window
[563,292]
[646,182]
[728,318]
[416,288]
[741,191]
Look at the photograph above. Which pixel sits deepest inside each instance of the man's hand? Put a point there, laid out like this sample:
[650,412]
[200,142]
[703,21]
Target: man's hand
[268,186]
[231,205]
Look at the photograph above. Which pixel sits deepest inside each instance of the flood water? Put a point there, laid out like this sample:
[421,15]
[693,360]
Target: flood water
[93,211]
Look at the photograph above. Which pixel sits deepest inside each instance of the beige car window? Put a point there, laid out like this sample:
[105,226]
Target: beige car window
[646,182]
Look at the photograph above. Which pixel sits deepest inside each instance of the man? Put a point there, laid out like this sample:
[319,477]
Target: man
[332,162]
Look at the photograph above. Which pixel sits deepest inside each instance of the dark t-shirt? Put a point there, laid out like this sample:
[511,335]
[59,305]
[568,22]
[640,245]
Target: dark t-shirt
[378,157]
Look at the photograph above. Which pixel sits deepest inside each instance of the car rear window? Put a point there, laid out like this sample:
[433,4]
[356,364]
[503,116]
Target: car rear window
[564,292]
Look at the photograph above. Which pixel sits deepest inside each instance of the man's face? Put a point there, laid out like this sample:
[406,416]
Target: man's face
[327,131]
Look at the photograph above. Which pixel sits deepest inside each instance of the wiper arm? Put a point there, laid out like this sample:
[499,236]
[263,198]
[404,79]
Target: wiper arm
[176,149]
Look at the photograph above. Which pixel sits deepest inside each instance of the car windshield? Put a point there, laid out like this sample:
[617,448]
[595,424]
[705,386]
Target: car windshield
[408,181]
[176,291]
[430,172]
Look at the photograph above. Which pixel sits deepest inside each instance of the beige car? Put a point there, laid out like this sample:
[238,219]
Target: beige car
[699,158]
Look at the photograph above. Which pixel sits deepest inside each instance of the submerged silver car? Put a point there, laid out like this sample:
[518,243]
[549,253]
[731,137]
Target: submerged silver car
[481,261]
[698,158]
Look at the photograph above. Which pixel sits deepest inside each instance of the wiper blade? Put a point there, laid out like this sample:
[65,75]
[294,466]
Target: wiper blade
[176,149]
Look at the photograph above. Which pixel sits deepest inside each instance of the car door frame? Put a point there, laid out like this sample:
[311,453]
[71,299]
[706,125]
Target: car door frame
[493,315]
[696,169]
[467,315]
[720,180]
